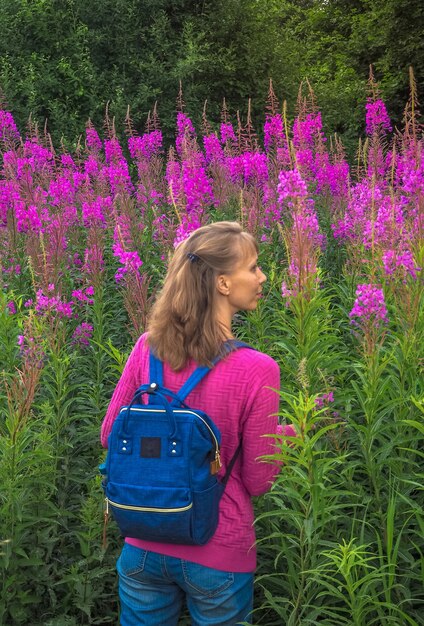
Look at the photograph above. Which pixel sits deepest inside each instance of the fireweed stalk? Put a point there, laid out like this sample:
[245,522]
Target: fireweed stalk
[147,151]
[21,389]
[301,233]
[133,283]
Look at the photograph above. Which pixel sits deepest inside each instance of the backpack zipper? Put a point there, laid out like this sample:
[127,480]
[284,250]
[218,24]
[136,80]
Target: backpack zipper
[147,509]
[216,464]
[181,411]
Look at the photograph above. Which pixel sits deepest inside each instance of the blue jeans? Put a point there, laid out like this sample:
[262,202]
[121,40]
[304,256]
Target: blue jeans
[152,589]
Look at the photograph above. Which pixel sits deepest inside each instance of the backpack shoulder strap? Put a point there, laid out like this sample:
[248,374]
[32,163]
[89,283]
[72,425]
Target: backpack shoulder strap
[155,375]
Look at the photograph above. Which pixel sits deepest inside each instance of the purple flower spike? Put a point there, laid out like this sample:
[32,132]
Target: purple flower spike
[369,305]
[377,117]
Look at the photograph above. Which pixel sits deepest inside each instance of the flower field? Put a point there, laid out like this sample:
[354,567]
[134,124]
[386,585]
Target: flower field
[85,238]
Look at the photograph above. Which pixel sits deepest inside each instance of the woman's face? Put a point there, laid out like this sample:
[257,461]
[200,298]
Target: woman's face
[245,284]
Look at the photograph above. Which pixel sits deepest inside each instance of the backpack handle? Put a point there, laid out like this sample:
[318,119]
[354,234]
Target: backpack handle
[154,390]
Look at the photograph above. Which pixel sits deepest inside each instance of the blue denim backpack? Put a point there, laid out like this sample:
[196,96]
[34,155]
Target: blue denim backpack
[160,475]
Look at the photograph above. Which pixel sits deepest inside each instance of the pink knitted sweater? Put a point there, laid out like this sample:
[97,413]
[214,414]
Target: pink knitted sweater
[239,395]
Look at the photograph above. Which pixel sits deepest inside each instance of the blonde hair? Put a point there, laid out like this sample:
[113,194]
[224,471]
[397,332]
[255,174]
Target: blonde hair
[183,323]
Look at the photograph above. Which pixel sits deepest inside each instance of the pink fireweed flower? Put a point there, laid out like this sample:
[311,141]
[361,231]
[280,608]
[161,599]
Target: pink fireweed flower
[61,191]
[274,135]
[28,218]
[94,213]
[248,168]
[213,149]
[363,197]
[369,306]
[377,118]
[37,157]
[92,139]
[8,128]
[146,146]
[307,137]
[387,226]
[410,174]
[306,225]
[116,171]
[55,305]
[291,185]
[324,399]
[130,260]
[92,166]
[307,130]
[332,178]
[68,162]
[11,307]
[31,351]
[131,263]
[82,334]
[12,267]
[186,132]
[227,134]
[82,295]
[197,186]
[400,263]
[255,168]
[75,260]
[184,230]
[304,243]
[118,177]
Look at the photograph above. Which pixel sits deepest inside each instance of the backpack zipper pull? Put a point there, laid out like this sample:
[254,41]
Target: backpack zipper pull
[216,463]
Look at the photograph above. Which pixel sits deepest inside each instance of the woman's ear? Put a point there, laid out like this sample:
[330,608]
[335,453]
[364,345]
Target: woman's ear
[223,284]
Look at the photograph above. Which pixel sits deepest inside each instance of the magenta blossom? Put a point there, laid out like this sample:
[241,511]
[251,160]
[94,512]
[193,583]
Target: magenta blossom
[377,117]
[55,305]
[324,399]
[184,230]
[369,305]
[8,128]
[146,146]
[82,334]
[307,130]
[291,185]
[82,295]
[401,263]
[93,140]
[213,149]
[227,134]
[31,351]
[274,135]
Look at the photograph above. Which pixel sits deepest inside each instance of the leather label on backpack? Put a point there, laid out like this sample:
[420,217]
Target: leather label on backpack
[150,447]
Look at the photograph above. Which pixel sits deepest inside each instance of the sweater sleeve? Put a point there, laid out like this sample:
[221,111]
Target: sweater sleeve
[260,420]
[124,390]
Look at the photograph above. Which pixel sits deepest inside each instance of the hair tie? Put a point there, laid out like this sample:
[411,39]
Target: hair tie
[193,258]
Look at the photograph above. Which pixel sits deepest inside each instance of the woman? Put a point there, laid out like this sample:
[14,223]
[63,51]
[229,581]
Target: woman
[212,275]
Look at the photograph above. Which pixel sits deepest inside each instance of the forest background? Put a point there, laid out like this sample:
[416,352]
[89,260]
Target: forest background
[64,60]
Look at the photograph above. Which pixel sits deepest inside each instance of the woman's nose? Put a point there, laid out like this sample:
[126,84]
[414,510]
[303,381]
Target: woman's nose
[262,277]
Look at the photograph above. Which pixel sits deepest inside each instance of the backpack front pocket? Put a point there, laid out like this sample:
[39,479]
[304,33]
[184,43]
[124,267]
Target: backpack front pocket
[151,513]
